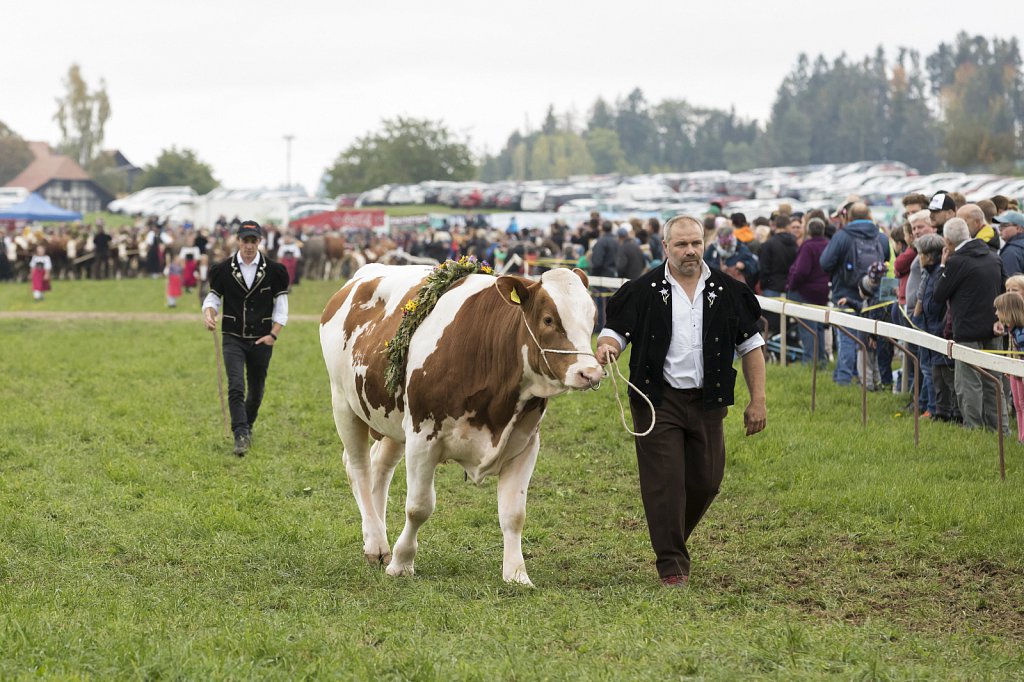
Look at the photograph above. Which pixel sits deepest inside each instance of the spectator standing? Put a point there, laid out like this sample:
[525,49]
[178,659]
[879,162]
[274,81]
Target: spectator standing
[864,305]
[1010,311]
[1011,230]
[937,396]
[604,258]
[808,283]
[289,255]
[976,225]
[941,207]
[631,260]
[742,230]
[101,252]
[174,277]
[912,203]
[189,255]
[654,241]
[41,267]
[5,263]
[732,257]
[775,258]
[847,259]
[972,277]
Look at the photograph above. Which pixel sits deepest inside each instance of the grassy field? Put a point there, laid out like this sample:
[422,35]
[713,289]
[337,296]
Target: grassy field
[133,545]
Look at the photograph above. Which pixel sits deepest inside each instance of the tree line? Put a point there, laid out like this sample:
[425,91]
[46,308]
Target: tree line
[961,107]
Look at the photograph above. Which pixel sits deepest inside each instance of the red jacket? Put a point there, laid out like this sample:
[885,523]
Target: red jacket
[902,270]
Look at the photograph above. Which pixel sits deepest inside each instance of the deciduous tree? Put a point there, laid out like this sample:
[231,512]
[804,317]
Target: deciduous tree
[82,115]
[15,155]
[174,167]
[405,150]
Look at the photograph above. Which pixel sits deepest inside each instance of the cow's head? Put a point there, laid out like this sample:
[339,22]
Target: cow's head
[560,314]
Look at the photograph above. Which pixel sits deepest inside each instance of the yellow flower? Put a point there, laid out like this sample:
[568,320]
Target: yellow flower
[486,270]
[411,306]
[386,344]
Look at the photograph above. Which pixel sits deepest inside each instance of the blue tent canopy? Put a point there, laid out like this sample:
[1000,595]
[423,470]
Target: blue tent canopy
[37,208]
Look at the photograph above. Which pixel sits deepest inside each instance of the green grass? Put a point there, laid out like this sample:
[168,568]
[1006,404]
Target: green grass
[133,545]
[142,295]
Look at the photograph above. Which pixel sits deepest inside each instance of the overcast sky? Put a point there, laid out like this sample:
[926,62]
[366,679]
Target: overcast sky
[229,80]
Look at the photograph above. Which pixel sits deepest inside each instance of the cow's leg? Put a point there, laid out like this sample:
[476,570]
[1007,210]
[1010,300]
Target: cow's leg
[355,437]
[420,464]
[384,456]
[513,480]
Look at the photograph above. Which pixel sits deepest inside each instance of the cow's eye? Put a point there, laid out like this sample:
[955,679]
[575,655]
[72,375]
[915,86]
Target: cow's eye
[548,320]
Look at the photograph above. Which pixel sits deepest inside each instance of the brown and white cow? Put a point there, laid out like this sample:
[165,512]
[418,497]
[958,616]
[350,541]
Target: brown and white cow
[475,390]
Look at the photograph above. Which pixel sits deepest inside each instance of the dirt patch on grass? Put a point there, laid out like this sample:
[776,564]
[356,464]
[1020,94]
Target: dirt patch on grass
[853,581]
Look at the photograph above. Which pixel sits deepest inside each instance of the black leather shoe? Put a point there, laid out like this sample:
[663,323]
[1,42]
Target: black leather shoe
[241,444]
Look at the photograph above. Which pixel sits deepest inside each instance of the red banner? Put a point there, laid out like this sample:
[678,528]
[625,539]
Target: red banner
[339,220]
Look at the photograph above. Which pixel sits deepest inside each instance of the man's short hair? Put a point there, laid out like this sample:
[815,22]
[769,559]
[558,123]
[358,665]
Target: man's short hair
[781,221]
[958,199]
[815,227]
[929,244]
[956,231]
[606,226]
[859,211]
[924,215]
[760,220]
[972,211]
[675,220]
[988,208]
[738,219]
[916,198]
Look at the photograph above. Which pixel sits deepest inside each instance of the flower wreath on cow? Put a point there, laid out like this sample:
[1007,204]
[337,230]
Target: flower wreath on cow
[415,311]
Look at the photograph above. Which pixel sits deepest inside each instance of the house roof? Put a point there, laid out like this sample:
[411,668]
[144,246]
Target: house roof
[47,166]
[120,160]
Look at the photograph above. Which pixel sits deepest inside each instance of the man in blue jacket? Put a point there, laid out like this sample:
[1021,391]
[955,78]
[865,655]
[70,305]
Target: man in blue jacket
[846,259]
[1011,229]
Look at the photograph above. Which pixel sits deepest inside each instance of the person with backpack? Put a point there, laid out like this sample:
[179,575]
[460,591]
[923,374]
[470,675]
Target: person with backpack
[847,259]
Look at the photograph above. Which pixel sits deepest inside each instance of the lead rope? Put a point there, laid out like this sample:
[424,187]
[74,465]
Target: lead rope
[615,382]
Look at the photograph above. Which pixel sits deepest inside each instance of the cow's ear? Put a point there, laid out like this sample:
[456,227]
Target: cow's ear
[513,290]
[583,277]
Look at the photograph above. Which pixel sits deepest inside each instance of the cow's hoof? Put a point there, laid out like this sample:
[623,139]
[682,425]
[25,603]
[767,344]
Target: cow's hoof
[378,558]
[397,570]
[519,578]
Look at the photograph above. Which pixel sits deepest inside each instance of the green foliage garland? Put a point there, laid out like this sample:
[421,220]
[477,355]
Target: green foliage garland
[416,310]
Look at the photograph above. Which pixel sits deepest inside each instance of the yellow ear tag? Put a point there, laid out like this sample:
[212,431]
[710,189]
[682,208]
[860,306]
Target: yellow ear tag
[515,297]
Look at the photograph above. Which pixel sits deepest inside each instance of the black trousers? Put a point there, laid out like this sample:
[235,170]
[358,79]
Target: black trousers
[681,464]
[245,362]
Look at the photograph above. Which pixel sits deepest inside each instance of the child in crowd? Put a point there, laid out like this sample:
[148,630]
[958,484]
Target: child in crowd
[868,290]
[1010,311]
[174,273]
[41,267]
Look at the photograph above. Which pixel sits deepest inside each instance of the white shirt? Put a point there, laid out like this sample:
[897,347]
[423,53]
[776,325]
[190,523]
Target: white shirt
[684,364]
[41,260]
[280,314]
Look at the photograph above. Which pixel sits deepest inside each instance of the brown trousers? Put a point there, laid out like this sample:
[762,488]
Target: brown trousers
[681,466]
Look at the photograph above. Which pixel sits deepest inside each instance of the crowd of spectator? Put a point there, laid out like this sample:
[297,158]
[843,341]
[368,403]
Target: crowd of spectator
[940,270]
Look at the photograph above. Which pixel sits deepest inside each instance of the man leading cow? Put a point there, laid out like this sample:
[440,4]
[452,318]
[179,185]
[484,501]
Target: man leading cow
[685,321]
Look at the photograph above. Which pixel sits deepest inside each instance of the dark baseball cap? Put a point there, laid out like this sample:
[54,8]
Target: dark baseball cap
[941,201]
[250,228]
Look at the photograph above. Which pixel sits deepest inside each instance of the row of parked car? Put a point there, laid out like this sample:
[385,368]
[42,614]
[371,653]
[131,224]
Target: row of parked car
[880,183]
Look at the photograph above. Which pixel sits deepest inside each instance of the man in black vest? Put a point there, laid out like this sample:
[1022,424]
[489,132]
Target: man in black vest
[685,321]
[254,294]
